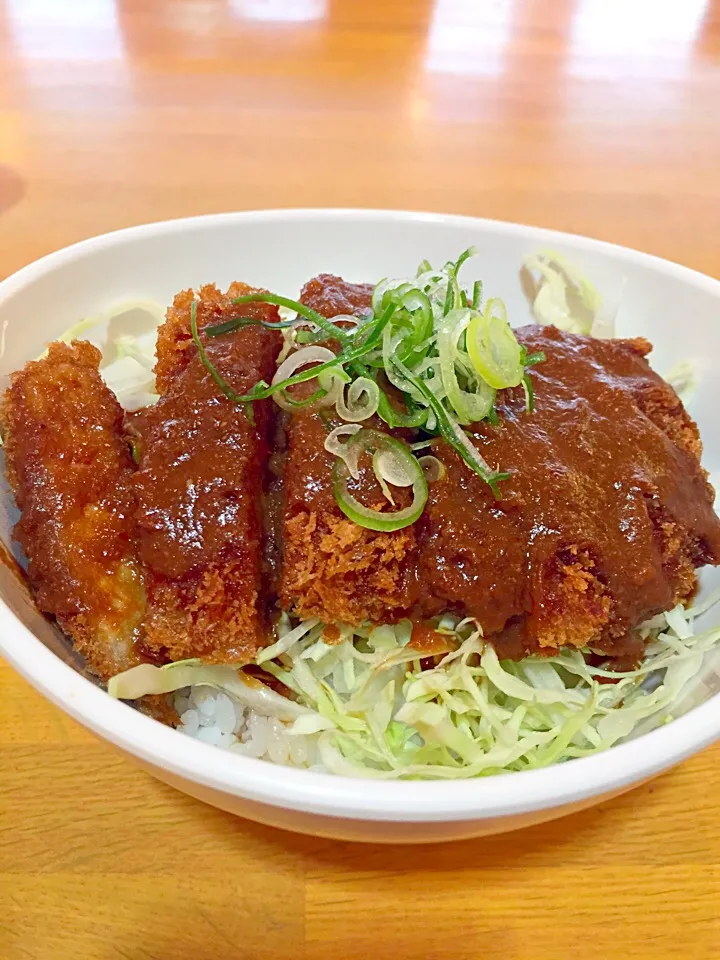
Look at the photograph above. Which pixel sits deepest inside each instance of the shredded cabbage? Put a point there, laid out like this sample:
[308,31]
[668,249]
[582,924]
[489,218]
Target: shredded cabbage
[683,379]
[145,679]
[373,710]
[565,297]
[125,334]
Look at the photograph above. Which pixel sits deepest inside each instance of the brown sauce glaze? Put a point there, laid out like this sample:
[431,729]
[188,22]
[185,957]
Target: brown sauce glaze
[603,521]
[70,468]
[429,641]
[332,296]
[601,525]
[199,486]
[333,568]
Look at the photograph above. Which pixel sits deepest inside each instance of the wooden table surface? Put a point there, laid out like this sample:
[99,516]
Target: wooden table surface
[595,116]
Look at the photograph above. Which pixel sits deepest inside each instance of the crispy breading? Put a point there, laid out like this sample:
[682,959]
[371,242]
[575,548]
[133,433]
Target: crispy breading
[199,485]
[603,521]
[602,524]
[605,516]
[70,468]
[574,603]
[332,568]
[175,347]
[332,296]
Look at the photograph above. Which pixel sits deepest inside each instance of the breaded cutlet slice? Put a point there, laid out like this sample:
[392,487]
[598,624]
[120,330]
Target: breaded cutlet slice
[603,521]
[70,468]
[199,485]
[333,568]
[175,348]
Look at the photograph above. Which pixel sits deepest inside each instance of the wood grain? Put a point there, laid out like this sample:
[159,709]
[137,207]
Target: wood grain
[596,116]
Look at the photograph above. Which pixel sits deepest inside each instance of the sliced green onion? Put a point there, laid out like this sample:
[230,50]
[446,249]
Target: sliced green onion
[395,419]
[350,455]
[375,442]
[302,357]
[417,344]
[228,326]
[378,293]
[465,255]
[433,468]
[284,400]
[209,366]
[453,434]
[392,469]
[261,390]
[355,410]
[493,347]
[336,333]
[469,405]
[529,393]
[429,337]
[371,334]
[448,305]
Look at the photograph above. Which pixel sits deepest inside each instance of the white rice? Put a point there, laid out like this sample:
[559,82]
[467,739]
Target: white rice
[215,718]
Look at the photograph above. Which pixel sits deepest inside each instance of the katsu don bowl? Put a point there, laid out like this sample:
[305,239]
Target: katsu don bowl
[373,525]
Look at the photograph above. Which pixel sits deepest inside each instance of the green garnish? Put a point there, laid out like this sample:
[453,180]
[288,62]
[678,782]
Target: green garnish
[393,463]
[440,348]
[135,449]
[237,323]
[529,393]
[333,331]
[206,362]
[493,347]
[453,435]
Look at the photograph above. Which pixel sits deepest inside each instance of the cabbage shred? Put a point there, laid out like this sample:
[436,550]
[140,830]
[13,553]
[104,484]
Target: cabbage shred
[374,711]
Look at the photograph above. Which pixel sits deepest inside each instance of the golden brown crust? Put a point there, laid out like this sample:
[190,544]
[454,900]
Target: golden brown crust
[199,485]
[574,604]
[333,568]
[214,614]
[660,404]
[339,571]
[175,347]
[70,468]
[602,523]
[604,518]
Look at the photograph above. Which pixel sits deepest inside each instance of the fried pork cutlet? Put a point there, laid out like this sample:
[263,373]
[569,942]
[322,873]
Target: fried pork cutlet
[602,523]
[199,484]
[175,347]
[71,471]
[333,568]
[606,515]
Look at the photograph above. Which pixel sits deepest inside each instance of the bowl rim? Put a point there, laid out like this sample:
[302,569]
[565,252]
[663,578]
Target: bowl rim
[309,792]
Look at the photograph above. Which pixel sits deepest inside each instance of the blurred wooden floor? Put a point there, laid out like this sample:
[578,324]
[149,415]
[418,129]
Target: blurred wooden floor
[596,116]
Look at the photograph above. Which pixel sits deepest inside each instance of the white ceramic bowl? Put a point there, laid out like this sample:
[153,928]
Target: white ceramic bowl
[677,309]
